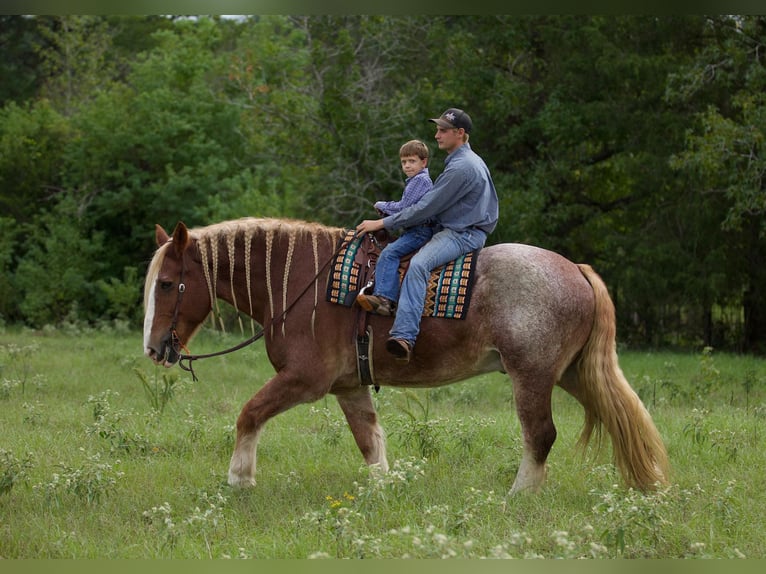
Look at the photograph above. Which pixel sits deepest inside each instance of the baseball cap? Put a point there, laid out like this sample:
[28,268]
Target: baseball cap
[454,118]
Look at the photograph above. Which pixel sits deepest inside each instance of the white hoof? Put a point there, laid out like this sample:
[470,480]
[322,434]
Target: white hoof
[241,482]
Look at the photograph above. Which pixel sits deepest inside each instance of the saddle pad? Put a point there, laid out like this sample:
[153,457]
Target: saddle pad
[343,284]
[449,288]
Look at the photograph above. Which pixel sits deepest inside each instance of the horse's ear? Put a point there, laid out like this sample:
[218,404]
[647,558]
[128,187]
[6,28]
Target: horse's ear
[180,238]
[161,235]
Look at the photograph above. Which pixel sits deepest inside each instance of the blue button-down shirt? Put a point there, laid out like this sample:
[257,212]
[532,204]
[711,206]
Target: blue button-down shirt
[463,197]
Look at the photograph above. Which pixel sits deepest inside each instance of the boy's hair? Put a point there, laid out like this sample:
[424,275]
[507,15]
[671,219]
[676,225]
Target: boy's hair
[414,147]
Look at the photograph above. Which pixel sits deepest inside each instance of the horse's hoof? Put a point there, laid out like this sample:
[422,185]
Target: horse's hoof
[241,482]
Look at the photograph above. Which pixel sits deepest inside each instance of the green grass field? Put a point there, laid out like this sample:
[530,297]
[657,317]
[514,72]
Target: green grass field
[104,455]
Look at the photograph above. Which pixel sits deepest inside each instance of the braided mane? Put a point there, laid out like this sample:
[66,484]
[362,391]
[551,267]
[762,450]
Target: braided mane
[249,229]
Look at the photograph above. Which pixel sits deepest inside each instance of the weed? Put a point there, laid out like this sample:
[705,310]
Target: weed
[339,519]
[394,483]
[697,427]
[160,519]
[724,502]
[418,429]
[749,382]
[197,425]
[107,425]
[207,518]
[709,377]
[19,362]
[33,416]
[465,433]
[726,441]
[332,428]
[477,503]
[344,516]
[158,392]
[90,482]
[630,519]
[6,389]
[13,470]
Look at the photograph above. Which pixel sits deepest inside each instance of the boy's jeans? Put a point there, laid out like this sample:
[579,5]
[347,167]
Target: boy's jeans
[445,246]
[387,267]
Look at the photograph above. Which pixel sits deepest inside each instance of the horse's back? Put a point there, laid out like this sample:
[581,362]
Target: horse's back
[531,276]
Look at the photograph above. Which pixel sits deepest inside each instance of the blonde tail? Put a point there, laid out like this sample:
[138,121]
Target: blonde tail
[609,400]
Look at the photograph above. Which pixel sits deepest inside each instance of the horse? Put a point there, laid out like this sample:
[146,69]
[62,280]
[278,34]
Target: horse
[534,315]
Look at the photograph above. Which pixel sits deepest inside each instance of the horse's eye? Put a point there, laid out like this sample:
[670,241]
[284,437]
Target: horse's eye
[166,285]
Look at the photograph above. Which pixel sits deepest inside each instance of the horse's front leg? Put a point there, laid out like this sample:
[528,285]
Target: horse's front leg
[281,393]
[363,421]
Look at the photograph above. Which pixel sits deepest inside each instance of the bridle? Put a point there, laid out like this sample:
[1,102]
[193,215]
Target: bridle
[175,340]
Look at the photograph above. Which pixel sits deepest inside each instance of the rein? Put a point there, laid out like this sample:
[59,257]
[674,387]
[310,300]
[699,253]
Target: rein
[189,358]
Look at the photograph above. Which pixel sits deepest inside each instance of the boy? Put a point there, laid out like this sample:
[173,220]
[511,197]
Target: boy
[414,159]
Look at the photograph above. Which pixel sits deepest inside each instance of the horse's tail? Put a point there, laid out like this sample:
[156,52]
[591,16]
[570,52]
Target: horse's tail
[609,400]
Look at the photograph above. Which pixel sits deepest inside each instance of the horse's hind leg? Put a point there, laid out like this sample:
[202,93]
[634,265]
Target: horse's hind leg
[533,407]
[363,421]
[278,395]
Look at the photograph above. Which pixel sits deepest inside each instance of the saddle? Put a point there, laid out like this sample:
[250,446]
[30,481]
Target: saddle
[353,269]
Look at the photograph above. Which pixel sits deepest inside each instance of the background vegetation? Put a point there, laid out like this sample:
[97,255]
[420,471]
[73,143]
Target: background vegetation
[104,455]
[633,143]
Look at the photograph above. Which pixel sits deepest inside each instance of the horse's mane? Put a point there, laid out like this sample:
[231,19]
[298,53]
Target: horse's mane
[255,225]
[249,228]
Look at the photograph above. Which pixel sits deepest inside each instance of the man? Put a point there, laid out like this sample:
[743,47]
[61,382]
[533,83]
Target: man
[463,203]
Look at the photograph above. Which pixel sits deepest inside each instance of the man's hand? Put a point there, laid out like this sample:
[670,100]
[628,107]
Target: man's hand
[369,225]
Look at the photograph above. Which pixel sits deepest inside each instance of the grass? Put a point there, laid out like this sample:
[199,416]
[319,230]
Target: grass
[103,455]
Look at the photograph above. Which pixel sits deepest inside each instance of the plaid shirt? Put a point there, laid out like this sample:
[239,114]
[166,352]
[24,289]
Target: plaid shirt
[415,188]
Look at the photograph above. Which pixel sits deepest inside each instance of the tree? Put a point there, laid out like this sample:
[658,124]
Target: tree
[56,276]
[155,150]
[73,58]
[33,140]
[19,64]
[367,96]
[724,155]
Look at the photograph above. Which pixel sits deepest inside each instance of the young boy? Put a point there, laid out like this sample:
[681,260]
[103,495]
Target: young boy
[414,159]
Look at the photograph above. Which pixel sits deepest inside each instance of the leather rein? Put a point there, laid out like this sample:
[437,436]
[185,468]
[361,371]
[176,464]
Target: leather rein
[175,340]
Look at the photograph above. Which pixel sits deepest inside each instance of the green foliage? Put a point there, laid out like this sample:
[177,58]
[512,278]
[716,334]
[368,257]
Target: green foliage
[33,140]
[90,482]
[13,470]
[418,429]
[56,275]
[158,393]
[73,59]
[19,64]
[8,296]
[632,143]
[124,296]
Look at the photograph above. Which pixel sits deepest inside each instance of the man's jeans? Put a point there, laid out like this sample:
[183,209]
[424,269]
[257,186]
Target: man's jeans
[445,246]
[387,267]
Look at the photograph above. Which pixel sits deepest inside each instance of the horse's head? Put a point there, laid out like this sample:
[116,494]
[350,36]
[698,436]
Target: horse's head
[176,300]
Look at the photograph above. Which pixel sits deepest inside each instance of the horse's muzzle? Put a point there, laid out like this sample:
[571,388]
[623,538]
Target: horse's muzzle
[168,353]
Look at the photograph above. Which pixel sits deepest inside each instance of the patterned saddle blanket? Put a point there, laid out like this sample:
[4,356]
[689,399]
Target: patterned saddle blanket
[449,289]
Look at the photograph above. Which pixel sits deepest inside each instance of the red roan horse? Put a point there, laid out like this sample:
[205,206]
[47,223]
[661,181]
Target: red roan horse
[534,315]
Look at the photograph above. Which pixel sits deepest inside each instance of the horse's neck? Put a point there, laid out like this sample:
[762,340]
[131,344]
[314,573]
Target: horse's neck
[272,267]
